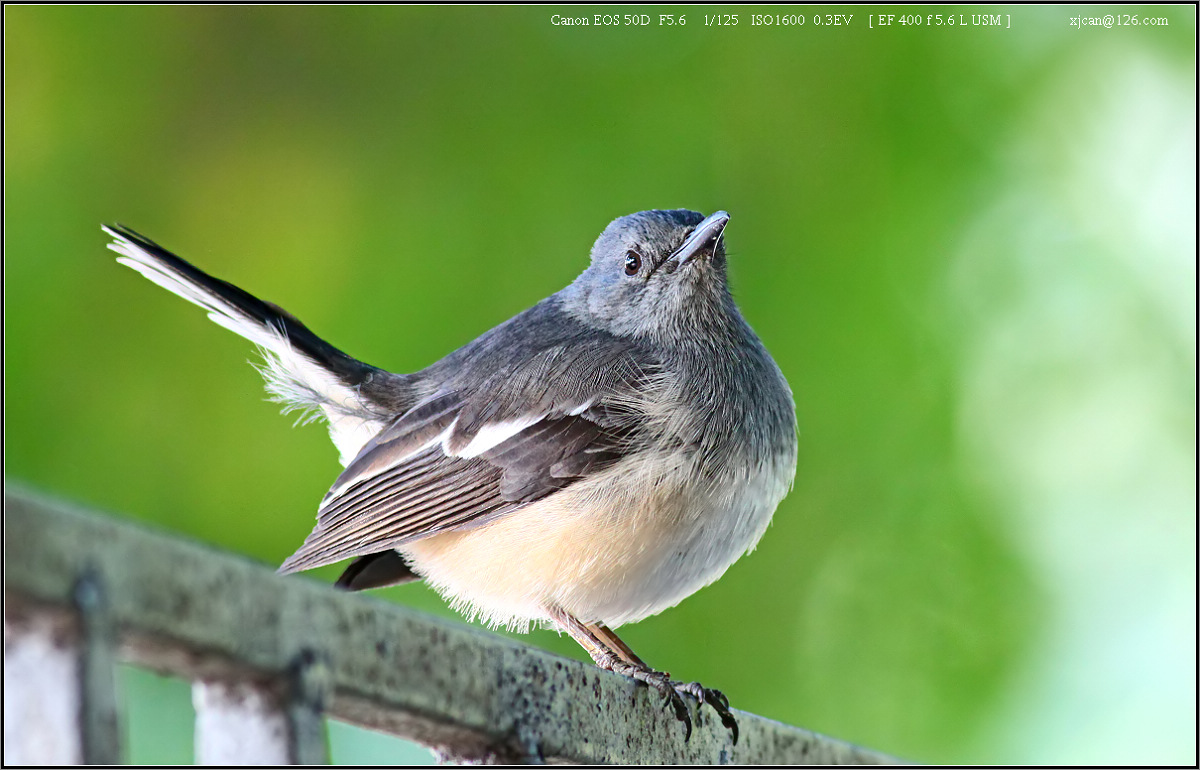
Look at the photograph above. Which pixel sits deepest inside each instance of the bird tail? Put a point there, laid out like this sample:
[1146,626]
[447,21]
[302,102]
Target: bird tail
[302,370]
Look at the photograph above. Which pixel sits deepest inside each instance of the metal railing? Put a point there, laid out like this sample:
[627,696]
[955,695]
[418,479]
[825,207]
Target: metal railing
[272,657]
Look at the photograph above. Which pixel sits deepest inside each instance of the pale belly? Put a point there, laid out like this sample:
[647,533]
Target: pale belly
[628,543]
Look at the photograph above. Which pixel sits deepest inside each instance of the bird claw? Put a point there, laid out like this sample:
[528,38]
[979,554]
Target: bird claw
[716,700]
[673,693]
[672,697]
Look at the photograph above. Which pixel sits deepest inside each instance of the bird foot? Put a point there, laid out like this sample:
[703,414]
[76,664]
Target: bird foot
[673,693]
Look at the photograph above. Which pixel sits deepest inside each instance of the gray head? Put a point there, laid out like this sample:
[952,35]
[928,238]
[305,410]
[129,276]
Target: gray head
[655,273]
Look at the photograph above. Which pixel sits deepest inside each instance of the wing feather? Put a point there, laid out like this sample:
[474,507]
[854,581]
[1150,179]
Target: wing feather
[460,458]
[451,491]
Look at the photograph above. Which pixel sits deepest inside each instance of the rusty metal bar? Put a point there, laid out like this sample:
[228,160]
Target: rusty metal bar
[197,613]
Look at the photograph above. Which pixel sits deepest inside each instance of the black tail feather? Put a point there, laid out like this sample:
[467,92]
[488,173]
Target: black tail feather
[348,369]
[376,570]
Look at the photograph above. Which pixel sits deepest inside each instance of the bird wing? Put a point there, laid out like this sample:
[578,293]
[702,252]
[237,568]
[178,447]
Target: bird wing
[440,467]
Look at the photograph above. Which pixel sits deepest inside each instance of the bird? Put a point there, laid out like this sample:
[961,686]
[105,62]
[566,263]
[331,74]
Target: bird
[588,463]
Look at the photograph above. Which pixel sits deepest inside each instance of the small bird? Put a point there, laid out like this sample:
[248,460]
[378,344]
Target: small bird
[588,463]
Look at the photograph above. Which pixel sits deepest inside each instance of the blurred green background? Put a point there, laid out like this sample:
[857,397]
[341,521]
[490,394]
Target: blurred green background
[971,249]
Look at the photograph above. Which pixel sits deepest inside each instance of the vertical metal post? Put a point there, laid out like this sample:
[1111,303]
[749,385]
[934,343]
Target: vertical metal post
[98,720]
[309,693]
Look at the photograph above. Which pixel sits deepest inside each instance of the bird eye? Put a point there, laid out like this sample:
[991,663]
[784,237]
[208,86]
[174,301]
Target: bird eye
[633,262]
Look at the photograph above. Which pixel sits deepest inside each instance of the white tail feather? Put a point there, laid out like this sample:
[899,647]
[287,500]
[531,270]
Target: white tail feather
[292,378]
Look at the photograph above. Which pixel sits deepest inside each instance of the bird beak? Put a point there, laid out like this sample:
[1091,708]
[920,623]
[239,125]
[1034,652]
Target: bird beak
[703,238]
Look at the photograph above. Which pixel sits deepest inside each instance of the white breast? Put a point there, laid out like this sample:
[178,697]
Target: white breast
[624,545]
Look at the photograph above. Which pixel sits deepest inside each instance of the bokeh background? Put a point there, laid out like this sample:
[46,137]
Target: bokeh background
[971,249]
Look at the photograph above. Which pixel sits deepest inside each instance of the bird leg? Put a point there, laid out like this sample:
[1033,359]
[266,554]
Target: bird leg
[612,654]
